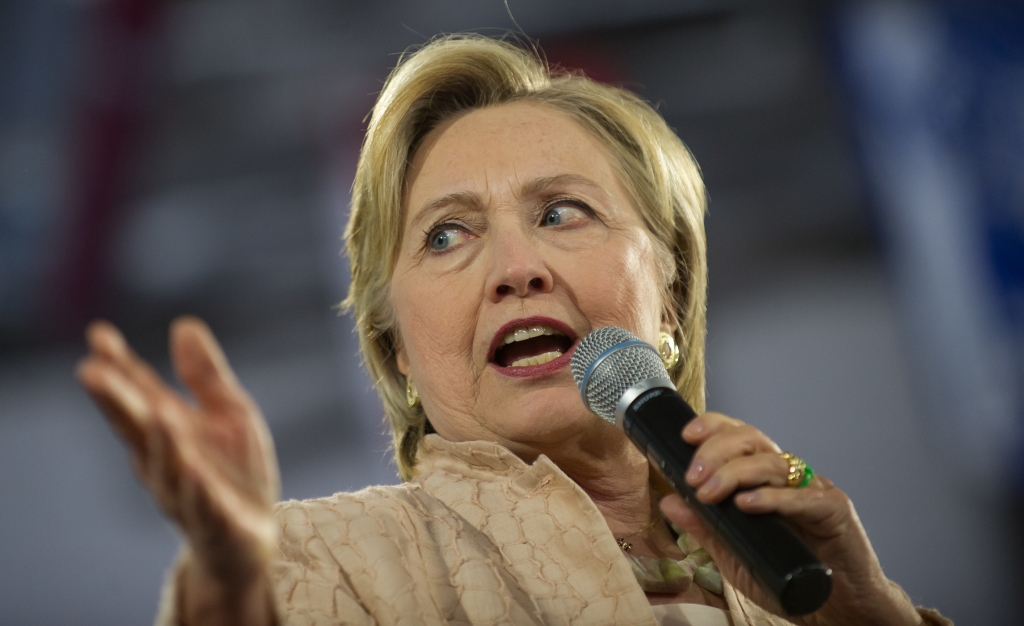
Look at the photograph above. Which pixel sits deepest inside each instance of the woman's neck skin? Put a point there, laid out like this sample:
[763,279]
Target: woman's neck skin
[613,473]
[617,478]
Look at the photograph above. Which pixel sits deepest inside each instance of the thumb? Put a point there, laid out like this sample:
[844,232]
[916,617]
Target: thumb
[731,568]
[676,510]
[203,367]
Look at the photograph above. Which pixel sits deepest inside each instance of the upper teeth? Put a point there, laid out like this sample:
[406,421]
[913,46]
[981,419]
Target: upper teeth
[522,334]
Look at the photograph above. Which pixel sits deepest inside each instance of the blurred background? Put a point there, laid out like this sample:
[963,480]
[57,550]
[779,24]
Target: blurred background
[865,165]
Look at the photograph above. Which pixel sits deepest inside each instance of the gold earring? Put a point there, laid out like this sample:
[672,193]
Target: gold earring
[668,350]
[412,397]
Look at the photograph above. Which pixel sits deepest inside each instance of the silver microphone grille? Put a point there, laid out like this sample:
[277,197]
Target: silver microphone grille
[607,363]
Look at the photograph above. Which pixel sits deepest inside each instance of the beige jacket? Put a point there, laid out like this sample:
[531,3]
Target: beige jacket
[478,537]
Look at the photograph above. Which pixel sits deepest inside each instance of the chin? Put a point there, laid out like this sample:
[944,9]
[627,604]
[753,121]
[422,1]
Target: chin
[547,416]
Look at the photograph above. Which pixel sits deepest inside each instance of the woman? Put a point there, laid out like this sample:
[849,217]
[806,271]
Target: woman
[499,214]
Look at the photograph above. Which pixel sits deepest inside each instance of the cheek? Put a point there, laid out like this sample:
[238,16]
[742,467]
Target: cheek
[621,288]
[436,322]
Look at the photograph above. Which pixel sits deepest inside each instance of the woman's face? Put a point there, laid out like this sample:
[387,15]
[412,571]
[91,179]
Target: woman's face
[519,240]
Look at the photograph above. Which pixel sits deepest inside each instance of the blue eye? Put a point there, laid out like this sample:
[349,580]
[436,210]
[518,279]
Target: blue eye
[553,217]
[445,238]
[441,240]
[562,215]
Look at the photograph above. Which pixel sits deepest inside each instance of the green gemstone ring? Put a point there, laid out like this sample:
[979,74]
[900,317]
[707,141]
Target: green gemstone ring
[808,475]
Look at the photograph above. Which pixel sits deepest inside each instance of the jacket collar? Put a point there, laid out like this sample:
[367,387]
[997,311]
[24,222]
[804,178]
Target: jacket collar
[486,460]
[439,462]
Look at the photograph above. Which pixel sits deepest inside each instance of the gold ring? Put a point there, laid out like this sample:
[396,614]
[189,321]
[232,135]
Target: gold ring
[797,470]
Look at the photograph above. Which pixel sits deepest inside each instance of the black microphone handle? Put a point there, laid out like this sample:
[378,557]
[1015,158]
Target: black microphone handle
[777,558]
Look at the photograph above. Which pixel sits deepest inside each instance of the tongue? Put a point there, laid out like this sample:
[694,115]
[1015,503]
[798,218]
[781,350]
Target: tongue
[512,352]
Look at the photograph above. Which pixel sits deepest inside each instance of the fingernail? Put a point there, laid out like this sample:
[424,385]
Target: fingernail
[749,498]
[694,428]
[711,486]
[695,471]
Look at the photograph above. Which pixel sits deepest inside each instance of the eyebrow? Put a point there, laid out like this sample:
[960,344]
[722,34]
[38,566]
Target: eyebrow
[531,189]
[539,186]
[467,199]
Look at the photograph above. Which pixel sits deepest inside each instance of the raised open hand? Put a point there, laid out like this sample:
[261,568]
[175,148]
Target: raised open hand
[209,465]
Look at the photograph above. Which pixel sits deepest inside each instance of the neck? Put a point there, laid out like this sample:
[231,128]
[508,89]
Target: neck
[616,476]
[595,454]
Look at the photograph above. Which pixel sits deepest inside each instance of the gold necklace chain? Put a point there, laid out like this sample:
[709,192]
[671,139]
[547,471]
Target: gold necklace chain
[625,545]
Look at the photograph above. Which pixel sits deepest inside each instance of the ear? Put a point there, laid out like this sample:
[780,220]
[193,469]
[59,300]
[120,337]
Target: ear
[402,360]
[669,322]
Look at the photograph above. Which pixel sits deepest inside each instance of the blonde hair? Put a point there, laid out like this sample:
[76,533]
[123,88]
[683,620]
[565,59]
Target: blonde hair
[454,74]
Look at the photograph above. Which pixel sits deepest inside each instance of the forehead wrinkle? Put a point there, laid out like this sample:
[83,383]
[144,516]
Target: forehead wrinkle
[466,199]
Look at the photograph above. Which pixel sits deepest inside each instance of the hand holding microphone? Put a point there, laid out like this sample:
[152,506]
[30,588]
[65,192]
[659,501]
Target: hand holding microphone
[768,546]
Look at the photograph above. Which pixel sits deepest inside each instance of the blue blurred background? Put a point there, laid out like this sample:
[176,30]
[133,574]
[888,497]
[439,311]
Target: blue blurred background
[865,164]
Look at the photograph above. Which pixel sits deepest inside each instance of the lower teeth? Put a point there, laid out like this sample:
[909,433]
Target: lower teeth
[540,359]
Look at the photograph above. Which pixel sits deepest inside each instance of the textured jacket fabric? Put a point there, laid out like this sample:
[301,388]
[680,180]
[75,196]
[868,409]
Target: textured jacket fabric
[477,537]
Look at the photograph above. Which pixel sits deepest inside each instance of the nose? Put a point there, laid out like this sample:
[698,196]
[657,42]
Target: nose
[518,268]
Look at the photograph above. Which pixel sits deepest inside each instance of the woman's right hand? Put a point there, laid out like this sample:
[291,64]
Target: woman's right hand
[209,465]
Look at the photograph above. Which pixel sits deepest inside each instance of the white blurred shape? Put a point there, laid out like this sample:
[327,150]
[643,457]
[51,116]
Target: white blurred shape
[931,215]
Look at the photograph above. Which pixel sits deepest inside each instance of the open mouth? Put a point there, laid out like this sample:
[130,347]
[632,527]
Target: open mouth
[530,343]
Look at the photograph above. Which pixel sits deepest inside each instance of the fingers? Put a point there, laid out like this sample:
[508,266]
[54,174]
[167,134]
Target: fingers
[152,418]
[704,426]
[745,472]
[676,510]
[235,422]
[216,478]
[822,510]
[202,366]
[125,406]
[163,466]
[108,344]
[127,389]
[723,440]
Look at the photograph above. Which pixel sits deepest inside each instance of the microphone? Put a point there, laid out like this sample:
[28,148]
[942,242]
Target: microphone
[623,380]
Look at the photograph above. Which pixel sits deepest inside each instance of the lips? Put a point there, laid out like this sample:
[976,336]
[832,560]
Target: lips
[532,346]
